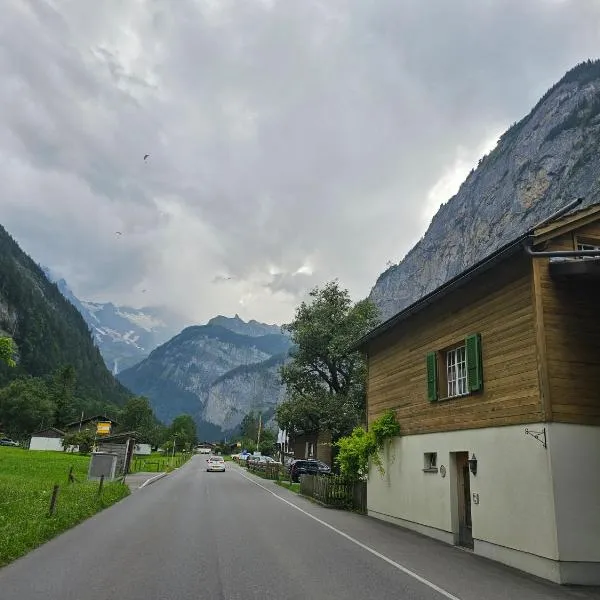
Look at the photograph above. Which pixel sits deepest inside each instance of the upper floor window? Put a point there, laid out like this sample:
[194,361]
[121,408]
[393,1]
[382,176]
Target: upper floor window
[455,371]
[587,244]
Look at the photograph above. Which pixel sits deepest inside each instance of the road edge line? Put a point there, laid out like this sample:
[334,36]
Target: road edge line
[374,552]
[152,480]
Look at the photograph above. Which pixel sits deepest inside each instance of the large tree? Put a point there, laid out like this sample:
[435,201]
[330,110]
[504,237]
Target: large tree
[26,406]
[8,350]
[325,381]
[62,388]
[137,415]
[183,432]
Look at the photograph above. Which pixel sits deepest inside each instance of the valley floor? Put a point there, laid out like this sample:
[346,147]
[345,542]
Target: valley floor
[195,535]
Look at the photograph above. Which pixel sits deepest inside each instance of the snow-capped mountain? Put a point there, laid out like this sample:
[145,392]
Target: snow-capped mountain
[124,335]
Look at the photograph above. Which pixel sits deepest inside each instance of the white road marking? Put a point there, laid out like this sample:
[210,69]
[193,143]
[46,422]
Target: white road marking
[152,480]
[398,566]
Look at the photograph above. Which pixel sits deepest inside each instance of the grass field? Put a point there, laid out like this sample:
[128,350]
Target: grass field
[294,487]
[26,482]
[157,462]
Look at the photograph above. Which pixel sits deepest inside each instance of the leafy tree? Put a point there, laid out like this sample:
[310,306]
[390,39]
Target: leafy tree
[8,350]
[268,442]
[84,439]
[26,406]
[361,446]
[325,382]
[62,388]
[137,415]
[249,426]
[183,431]
[157,435]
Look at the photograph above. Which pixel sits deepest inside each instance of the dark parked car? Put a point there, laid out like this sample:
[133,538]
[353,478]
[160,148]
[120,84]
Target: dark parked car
[308,467]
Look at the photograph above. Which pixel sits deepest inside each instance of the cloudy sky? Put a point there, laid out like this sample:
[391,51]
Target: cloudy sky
[290,141]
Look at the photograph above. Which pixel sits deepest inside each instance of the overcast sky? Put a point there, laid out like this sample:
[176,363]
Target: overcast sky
[290,141]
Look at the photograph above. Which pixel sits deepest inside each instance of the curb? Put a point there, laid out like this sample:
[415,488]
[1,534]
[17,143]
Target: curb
[152,480]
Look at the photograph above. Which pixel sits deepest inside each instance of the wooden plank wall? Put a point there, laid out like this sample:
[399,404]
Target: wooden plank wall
[572,328]
[499,305]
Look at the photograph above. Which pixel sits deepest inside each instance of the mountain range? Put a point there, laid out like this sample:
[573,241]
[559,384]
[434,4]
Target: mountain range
[540,164]
[217,372]
[220,371]
[124,335]
[49,332]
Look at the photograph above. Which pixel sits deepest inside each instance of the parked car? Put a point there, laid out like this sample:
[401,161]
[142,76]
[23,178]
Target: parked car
[215,463]
[7,442]
[308,467]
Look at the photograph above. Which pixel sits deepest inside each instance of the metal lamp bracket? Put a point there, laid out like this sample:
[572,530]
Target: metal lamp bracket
[540,436]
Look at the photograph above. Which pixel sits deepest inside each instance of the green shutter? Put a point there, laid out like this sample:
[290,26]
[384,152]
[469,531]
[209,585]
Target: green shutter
[474,363]
[432,391]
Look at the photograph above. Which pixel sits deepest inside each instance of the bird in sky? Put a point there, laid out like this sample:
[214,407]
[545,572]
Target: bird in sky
[118,233]
[146,156]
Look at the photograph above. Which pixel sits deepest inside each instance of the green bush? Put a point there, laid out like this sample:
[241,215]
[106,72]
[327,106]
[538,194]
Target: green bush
[356,450]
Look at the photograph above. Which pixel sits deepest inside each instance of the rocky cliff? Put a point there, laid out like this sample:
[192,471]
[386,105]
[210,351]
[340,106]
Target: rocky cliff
[538,166]
[124,335]
[214,373]
[49,331]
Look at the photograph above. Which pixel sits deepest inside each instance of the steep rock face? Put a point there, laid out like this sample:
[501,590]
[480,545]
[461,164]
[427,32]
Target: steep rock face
[539,165]
[242,390]
[124,335]
[48,330]
[204,371]
[252,328]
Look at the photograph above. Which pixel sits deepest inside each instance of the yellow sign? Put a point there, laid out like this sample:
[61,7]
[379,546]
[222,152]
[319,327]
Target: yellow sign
[103,428]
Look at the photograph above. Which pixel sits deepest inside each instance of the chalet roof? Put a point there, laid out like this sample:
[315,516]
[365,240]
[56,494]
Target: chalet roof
[548,229]
[46,429]
[89,420]
[117,437]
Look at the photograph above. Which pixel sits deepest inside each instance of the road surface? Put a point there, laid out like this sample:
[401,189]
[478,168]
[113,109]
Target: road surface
[195,535]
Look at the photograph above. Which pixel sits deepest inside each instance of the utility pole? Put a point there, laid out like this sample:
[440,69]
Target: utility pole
[259,427]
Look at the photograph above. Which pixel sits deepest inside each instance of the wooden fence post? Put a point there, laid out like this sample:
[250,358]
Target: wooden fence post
[53,500]
[100,485]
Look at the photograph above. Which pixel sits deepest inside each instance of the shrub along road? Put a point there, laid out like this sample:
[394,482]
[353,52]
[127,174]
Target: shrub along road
[196,535]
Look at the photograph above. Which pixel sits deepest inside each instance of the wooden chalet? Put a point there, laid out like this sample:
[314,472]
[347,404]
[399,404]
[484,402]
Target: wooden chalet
[495,381]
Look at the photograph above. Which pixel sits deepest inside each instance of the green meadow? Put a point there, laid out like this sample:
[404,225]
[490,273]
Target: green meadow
[26,482]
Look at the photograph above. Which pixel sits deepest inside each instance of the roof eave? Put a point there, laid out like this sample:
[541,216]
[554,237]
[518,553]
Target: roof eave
[464,277]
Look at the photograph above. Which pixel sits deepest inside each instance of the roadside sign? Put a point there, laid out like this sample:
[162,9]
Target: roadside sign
[103,428]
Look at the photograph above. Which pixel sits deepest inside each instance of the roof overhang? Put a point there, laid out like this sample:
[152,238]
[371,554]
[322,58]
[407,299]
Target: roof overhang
[558,224]
[587,269]
[500,255]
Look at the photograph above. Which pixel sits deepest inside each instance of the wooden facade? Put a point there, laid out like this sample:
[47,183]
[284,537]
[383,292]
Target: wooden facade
[315,445]
[540,345]
[571,324]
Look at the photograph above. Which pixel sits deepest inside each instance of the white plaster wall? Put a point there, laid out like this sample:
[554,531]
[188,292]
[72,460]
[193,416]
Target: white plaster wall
[575,458]
[516,507]
[142,449]
[44,443]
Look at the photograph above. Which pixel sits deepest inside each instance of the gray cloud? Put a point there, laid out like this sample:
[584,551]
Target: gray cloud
[290,142]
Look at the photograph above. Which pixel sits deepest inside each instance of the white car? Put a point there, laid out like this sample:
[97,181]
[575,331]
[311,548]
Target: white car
[215,463]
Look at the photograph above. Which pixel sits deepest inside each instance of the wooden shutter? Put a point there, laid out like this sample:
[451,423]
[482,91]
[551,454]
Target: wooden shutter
[432,389]
[474,364]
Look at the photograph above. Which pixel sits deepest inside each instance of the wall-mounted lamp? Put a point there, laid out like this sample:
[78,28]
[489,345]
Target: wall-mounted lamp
[473,465]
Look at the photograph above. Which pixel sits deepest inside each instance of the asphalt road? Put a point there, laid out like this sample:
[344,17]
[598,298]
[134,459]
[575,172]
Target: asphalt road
[229,536]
